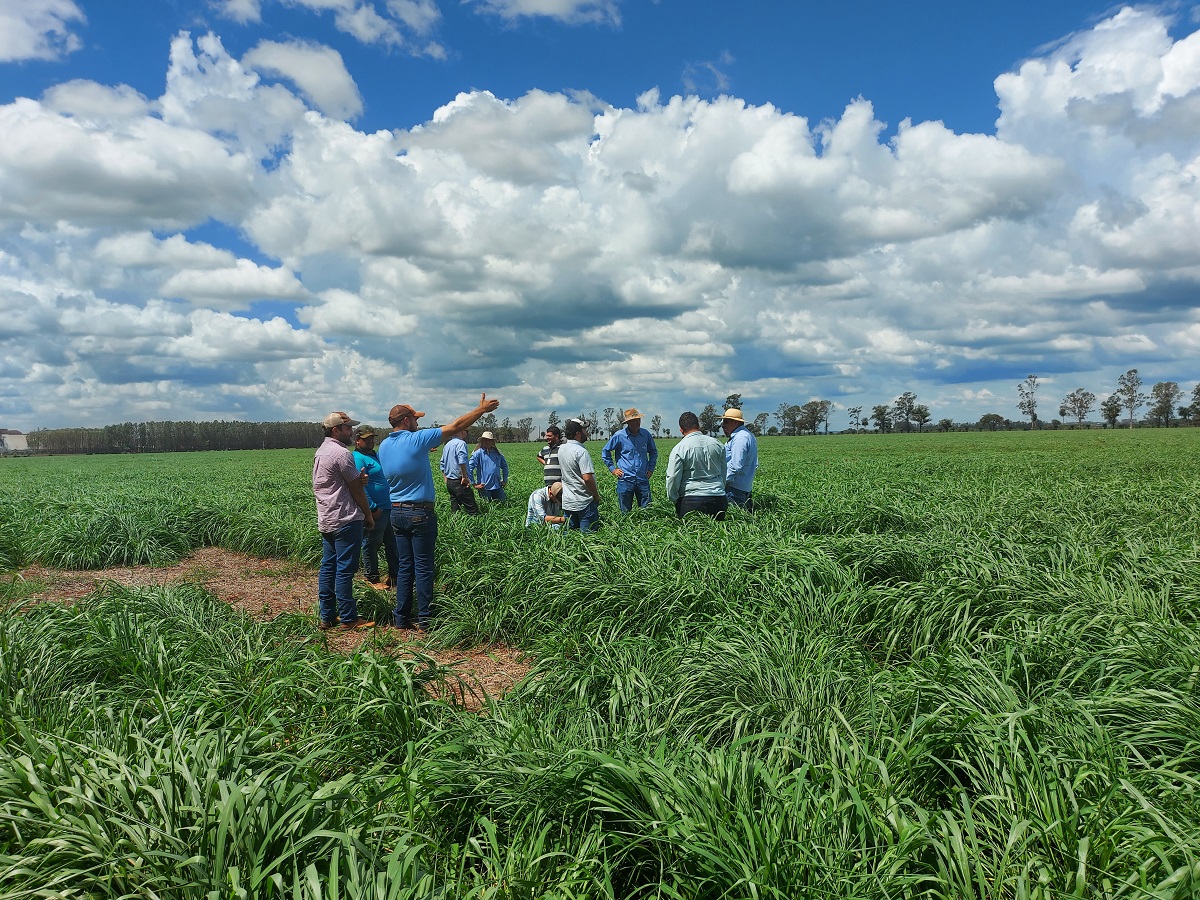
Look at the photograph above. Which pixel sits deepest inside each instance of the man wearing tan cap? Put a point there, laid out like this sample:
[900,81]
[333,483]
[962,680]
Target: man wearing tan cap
[404,455]
[741,459]
[631,456]
[342,512]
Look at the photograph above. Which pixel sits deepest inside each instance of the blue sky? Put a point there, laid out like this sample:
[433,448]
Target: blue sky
[266,210]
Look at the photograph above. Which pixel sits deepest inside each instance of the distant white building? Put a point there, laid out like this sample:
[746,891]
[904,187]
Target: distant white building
[12,441]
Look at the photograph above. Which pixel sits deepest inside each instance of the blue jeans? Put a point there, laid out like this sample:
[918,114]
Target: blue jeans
[379,536]
[496,494]
[739,497]
[335,578]
[416,537]
[586,519]
[629,488]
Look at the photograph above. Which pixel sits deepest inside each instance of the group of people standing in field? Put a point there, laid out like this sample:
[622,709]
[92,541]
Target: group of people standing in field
[382,495]
[703,476]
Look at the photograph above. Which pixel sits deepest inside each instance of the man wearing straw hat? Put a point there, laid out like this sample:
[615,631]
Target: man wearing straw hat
[631,456]
[741,459]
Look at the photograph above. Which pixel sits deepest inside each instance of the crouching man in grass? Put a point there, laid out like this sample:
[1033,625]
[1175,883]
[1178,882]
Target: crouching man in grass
[342,512]
[696,472]
[544,507]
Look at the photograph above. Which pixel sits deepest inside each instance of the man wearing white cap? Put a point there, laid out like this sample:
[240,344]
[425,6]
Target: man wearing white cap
[342,512]
[631,456]
[741,459]
[489,469]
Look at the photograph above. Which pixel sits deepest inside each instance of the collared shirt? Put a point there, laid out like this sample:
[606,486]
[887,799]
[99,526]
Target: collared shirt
[404,456]
[454,454]
[741,459]
[551,471]
[576,462]
[635,455]
[696,468]
[489,468]
[540,506]
[333,470]
[378,493]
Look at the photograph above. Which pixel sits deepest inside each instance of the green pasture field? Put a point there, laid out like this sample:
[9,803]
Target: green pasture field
[934,666]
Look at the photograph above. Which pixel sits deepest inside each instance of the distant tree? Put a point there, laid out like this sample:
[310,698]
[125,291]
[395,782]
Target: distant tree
[826,410]
[1129,393]
[524,428]
[772,430]
[553,419]
[786,415]
[1194,409]
[921,415]
[990,421]
[1185,413]
[945,424]
[666,432]
[855,413]
[902,409]
[612,420]
[733,401]
[810,417]
[709,417]
[592,422]
[759,423]
[1165,394]
[881,415]
[1110,409]
[1027,399]
[1078,404]
[656,424]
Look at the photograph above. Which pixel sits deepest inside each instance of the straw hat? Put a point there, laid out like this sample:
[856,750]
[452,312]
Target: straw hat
[734,414]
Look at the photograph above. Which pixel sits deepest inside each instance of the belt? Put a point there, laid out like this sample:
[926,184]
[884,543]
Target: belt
[412,506]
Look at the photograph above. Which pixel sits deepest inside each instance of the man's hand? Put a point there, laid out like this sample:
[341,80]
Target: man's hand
[369,521]
[464,481]
[488,405]
[618,473]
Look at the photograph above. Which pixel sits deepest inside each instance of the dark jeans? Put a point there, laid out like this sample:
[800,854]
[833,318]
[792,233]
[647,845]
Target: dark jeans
[629,488]
[709,506]
[379,536]
[462,496]
[335,578]
[416,537]
[740,498]
[586,519]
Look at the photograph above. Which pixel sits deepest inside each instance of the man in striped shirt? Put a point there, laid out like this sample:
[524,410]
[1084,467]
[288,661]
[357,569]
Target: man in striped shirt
[548,457]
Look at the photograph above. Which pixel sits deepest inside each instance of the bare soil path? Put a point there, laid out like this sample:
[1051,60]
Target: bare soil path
[266,588]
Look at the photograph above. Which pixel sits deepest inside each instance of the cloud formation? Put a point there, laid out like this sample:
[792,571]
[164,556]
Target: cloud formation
[566,253]
[38,29]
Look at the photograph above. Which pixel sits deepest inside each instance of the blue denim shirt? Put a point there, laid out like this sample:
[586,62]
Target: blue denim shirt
[489,468]
[634,454]
[741,459]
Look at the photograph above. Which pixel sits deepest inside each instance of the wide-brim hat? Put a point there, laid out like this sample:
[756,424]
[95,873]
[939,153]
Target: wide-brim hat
[487,436]
[631,414]
[735,414]
[334,419]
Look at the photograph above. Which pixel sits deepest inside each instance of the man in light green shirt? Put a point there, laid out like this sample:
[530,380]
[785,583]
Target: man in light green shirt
[696,472]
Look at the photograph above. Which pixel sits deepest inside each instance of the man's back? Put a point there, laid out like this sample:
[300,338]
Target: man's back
[696,467]
[575,462]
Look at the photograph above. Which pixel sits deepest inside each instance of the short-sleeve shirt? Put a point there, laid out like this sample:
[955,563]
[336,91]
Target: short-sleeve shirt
[551,471]
[333,469]
[377,486]
[575,462]
[404,456]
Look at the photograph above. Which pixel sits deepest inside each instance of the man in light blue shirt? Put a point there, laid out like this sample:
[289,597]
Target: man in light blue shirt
[741,459]
[631,456]
[489,469]
[458,481]
[696,472]
[379,496]
[404,455]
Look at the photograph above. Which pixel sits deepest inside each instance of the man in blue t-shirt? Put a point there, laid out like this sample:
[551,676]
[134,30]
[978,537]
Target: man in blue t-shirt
[404,455]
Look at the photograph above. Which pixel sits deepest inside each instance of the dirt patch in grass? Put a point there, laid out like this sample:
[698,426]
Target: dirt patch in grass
[267,588]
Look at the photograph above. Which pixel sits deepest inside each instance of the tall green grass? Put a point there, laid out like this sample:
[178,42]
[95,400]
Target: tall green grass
[930,666]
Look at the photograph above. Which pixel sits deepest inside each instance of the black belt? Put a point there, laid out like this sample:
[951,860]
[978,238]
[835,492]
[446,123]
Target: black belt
[412,506]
